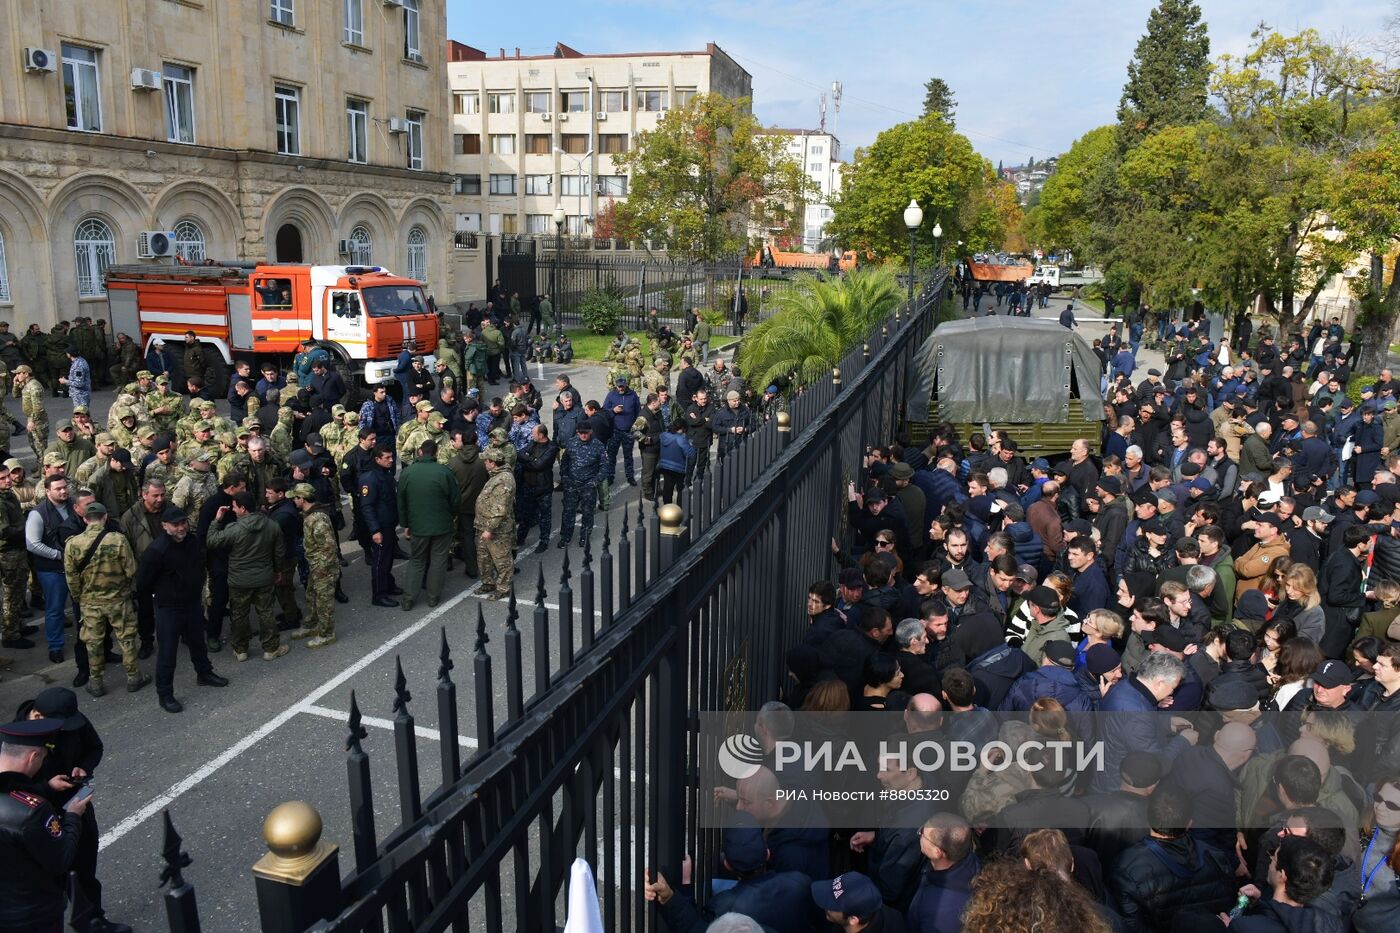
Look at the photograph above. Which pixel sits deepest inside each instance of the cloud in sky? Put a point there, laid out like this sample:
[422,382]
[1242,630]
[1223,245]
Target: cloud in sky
[1029,78]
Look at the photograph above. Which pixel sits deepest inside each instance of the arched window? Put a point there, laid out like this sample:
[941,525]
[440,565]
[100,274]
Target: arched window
[4,272]
[95,248]
[189,241]
[361,246]
[418,254]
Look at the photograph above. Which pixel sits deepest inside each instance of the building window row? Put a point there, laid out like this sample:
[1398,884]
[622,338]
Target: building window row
[570,186]
[539,143]
[650,100]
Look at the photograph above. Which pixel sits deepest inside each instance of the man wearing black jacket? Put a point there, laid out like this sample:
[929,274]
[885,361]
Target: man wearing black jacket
[699,430]
[688,382]
[172,569]
[536,488]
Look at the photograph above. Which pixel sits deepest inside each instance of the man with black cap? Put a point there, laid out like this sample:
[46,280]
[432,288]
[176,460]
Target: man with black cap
[172,569]
[852,902]
[1050,623]
[74,754]
[38,843]
[1120,816]
[1253,565]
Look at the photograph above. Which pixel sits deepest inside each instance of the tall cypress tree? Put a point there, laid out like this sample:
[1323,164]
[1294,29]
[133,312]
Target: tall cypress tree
[1168,74]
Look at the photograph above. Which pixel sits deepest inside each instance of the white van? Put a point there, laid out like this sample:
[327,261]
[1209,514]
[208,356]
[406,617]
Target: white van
[1046,275]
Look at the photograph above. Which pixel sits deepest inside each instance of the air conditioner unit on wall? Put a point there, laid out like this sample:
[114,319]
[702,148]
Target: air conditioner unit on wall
[398,125]
[40,60]
[546,117]
[144,79]
[563,118]
[155,244]
[398,3]
[601,115]
[345,247]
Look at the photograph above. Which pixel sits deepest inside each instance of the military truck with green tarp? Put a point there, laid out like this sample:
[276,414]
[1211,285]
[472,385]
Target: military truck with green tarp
[1034,379]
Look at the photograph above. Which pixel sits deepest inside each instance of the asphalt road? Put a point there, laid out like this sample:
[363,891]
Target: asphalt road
[277,732]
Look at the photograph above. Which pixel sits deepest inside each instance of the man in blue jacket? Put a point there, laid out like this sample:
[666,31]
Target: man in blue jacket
[946,840]
[1140,725]
[379,507]
[624,406]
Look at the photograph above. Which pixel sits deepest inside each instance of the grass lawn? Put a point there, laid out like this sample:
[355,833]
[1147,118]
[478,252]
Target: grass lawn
[1095,303]
[590,347]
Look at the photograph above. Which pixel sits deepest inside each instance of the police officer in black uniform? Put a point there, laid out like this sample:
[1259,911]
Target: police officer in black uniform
[37,842]
[379,507]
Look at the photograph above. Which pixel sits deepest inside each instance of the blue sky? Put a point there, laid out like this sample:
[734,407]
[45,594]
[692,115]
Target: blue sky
[1029,77]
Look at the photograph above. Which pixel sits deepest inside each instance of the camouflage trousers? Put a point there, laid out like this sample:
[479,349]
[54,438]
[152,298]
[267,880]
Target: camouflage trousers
[39,439]
[14,573]
[495,563]
[118,618]
[242,600]
[320,602]
[286,595]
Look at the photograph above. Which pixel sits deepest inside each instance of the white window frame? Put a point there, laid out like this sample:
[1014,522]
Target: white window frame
[644,99]
[286,118]
[4,271]
[189,241]
[506,143]
[414,139]
[613,101]
[460,184]
[574,186]
[537,224]
[534,184]
[355,22]
[418,254]
[80,67]
[283,12]
[532,100]
[684,95]
[178,84]
[514,185]
[612,186]
[357,129]
[412,31]
[94,250]
[576,224]
[494,100]
[573,101]
[466,103]
[361,246]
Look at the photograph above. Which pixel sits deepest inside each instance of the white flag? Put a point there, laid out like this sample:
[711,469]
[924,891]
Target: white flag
[584,916]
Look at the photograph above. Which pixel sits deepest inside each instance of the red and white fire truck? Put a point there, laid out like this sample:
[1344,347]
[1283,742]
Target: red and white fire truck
[364,315]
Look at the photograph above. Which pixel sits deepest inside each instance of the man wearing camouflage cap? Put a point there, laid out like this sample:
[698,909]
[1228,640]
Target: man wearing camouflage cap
[201,441]
[105,444]
[14,566]
[411,434]
[36,417]
[101,568]
[322,552]
[495,527]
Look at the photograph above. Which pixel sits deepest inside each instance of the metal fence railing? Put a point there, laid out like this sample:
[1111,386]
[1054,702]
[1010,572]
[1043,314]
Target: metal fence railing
[588,749]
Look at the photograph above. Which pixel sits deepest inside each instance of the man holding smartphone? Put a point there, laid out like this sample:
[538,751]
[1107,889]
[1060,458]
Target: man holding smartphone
[38,843]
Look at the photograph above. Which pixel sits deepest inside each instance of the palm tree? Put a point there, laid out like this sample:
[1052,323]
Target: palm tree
[816,322]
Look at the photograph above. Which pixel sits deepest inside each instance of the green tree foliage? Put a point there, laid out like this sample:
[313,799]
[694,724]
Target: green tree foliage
[928,161]
[1167,77]
[704,175]
[939,100]
[1067,212]
[815,323]
[1368,212]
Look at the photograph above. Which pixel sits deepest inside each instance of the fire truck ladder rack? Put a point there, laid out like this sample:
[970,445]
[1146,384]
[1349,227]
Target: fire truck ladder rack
[172,270]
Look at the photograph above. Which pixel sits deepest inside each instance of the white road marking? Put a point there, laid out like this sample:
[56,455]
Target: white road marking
[236,750]
[423,732]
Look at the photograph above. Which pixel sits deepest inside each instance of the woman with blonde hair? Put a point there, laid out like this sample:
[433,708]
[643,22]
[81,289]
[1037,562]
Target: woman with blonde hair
[1008,897]
[1300,586]
[1100,627]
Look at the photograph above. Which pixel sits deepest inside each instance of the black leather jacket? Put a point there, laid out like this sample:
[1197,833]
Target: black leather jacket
[37,848]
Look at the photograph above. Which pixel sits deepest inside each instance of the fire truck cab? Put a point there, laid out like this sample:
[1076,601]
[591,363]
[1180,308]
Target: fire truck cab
[364,315]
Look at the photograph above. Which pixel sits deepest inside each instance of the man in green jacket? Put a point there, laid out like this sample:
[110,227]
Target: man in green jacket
[428,495]
[473,361]
[255,546]
[547,315]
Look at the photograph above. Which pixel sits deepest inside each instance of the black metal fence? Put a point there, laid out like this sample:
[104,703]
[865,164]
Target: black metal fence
[673,287]
[682,609]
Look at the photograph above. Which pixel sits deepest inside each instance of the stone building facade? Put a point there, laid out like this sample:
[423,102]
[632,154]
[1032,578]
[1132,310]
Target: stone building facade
[292,130]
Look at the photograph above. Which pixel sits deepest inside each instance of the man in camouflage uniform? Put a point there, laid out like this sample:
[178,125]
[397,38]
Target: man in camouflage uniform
[658,377]
[581,470]
[124,425]
[8,423]
[105,444]
[473,361]
[495,527]
[163,405]
[318,542]
[446,354]
[438,435]
[281,436]
[165,467]
[201,441]
[231,457]
[263,466]
[412,433]
[129,361]
[32,408]
[101,568]
[197,484]
[14,566]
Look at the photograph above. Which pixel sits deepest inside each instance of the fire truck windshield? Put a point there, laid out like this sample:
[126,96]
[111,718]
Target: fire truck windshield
[394,300]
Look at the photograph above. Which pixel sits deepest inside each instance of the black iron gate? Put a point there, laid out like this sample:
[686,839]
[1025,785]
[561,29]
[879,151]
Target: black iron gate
[681,610]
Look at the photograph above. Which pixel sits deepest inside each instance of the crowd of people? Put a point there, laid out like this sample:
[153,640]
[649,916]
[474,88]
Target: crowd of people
[1210,592]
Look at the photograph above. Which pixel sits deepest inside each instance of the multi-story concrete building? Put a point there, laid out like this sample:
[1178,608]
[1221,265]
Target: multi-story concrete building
[819,154]
[538,131]
[301,130]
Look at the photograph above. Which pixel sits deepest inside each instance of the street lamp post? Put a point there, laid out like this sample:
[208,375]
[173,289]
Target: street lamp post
[558,251]
[913,218]
[937,242]
[578,173]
